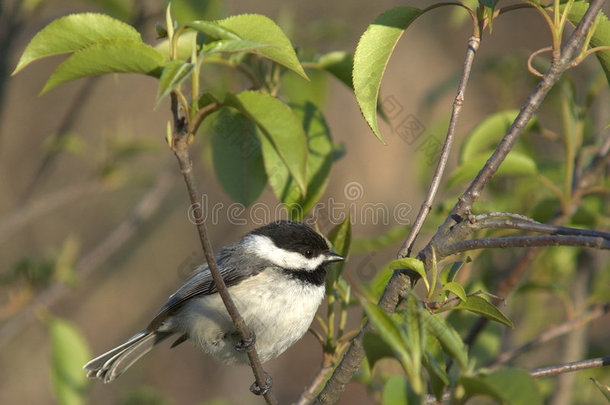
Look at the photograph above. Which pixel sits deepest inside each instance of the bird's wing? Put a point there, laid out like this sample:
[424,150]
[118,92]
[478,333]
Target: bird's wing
[232,270]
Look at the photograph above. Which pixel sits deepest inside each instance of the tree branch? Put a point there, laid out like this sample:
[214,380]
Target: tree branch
[524,241]
[569,367]
[180,147]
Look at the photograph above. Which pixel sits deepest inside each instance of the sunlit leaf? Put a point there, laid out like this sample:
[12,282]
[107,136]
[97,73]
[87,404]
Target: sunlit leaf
[456,289]
[73,32]
[482,307]
[372,55]
[258,28]
[233,46]
[111,56]
[212,29]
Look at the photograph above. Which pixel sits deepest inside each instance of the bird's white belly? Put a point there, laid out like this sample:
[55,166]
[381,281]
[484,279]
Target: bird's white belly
[278,311]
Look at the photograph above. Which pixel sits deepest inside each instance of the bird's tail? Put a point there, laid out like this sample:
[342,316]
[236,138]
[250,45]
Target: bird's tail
[115,362]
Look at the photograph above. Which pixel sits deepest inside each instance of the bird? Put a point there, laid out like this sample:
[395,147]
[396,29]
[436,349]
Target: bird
[275,275]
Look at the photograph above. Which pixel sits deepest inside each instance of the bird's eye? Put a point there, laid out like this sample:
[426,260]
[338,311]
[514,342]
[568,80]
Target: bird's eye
[308,253]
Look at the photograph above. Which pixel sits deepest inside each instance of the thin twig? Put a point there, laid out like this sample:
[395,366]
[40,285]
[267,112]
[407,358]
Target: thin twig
[180,147]
[570,367]
[589,315]
[473,46]
[91,262]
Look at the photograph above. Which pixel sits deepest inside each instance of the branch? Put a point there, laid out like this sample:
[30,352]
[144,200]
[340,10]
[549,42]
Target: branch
[569,367]
[180,147]
[90,262]
[525,241]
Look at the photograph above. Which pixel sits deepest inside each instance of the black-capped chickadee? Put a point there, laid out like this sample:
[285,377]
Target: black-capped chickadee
[275,275]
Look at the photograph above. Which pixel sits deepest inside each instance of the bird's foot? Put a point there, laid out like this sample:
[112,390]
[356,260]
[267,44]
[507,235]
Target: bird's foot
[246,345]
[258,390]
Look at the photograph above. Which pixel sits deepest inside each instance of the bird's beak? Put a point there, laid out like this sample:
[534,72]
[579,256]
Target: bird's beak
[333,257]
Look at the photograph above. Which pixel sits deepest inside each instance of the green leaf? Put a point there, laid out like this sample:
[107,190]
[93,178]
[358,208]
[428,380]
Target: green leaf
[319,161]
[603,388]
[482,307]
[281,128]
[398,391]
[601,36]
[74,32]
[111,56]
[449,339]
[212,29]
[339,64]
[69,352]
[390,332]
[488,133]
[415,338]
[515,164]
[508,385]
[258,28]
[410,263]
[438,377]
[233,46]
[372,55]
[456,289]
[340,237]
[237,156]
[370,244]
[375,288]
[174,73]
[375,348]
[449,272]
